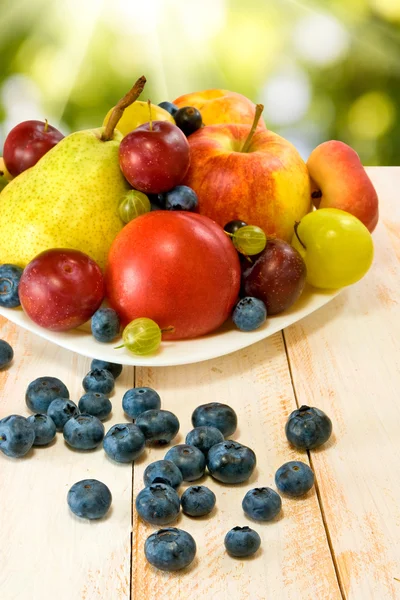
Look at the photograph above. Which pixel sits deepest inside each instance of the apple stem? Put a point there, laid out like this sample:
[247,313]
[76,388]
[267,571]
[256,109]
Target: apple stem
[118,111]
[150,120]
[296,225]
[46,125]
[246,145]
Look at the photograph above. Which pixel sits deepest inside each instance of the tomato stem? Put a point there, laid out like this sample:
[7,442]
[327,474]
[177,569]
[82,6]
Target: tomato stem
[296,225]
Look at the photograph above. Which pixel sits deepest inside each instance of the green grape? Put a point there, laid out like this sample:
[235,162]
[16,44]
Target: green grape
[142,336]
[249,240]
[133,205]
[337,248]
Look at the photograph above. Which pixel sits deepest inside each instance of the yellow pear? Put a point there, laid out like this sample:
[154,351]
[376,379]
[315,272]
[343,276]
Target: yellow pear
[138,113]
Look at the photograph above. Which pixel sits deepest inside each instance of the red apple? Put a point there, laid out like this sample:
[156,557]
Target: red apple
[178,268]
[154,157]
[61,289]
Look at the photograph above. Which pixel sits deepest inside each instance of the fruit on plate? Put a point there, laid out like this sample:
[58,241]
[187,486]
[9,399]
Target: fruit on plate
[221,106]
[340,181]
[69,199]
[336,247]
[258,177]
[188,119]
[132,205]
[61,289]
[277,277]
[26,143]
[137,114]
[177,268]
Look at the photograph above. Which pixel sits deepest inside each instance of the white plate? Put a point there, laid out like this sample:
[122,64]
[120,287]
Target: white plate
[224,341]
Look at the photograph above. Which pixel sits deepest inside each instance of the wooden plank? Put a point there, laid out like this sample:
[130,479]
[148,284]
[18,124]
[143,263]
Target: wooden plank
[46,552]
[345,359]
[295,561]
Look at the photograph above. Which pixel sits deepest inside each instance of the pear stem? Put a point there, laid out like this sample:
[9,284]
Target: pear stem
[118,111]
[150,120]
[246,145]
[296,226]
[46,125]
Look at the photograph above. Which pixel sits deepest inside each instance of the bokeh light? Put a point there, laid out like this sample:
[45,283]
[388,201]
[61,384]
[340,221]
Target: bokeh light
[320,39]
[371,115]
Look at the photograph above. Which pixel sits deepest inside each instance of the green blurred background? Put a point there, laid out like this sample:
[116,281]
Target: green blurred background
[323,68]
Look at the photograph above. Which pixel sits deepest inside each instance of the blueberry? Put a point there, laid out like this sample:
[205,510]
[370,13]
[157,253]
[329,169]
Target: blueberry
[42,391]
[89,499]
[197,501]
[114,368]
[124,442]
[262,504]
[231,462]
[6,354]
[169,107]
[242,541]
[96,404]
[105,325]
[204,438]
[16,436]
[137,400]
[61,410]
[98,380]
[233,226]
[83,432]
[189,460]
[181,197]
[170,549]
[249,314]
[294,478]
[215,414]
[9,282]
[44,427]
[308,428]
[157,201]
[158,504]
[188,119]
[163,471]
[159,426]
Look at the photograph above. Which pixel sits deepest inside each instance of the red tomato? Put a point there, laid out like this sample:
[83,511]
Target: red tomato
[178,268]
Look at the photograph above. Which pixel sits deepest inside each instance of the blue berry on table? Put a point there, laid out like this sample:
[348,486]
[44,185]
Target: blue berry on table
[294,478]
[6,354]
[114,368]
[44,427]
[170,549]
[169,107]
[105,325]
[262,504]
[124,442]
[89,499]
[83,432]
[16,436]
[158,504]
[163,471]
[188,119]
[9,283]
[98,380]
[42,391]
[231,462]
[215,414]
[190,461]
[181,197]
[159,426]
[204,438]
[61,410]
[96,404]
[197,501]
[137,400]
[249,314]
[242,541]
[308,428]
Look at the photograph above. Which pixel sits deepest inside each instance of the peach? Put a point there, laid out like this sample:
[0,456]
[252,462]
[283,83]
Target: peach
[338,180]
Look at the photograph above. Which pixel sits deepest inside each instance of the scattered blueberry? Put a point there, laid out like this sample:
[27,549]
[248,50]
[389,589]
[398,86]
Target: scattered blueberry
[42,391]
[181,197]
[105,325]
[61,410]
[308,428]
[163,471]
[294,478]
[204,438]
[262,504]
[9,282]
[215,414]
[170,549]
[96,404]
[98,380]
[89,499]
[124,442]
[137,400]
[114,368]
[159,426]
[158,504]
[16,436]
[242,541]
[84,432]
[249,314]
[44,427]
[197,501]
[6,354]
[169,107]
[188,119]
[231,462]
[190,461]
[233,226]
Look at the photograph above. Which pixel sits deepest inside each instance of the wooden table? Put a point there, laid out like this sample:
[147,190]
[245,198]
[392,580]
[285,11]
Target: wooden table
[340,541]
